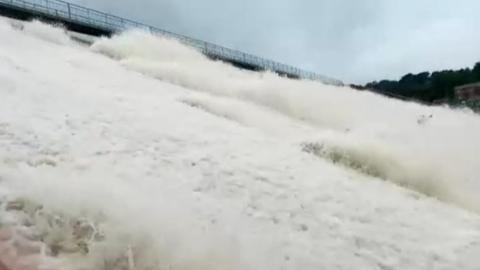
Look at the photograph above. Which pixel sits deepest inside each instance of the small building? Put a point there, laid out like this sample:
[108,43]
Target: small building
[468,92]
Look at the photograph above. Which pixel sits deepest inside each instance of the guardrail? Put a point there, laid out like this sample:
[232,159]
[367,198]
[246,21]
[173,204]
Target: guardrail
[77,14]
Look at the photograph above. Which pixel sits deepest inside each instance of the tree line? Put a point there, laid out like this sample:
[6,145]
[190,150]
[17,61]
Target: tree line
[425,86]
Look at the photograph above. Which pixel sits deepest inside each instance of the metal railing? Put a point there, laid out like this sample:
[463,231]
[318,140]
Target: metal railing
[81,15]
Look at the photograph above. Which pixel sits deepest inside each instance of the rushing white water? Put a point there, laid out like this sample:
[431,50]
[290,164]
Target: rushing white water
[140,153]
[383,134]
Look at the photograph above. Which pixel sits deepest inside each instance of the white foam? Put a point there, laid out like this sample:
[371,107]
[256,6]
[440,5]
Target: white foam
[440,153]
[169,186]
[51,33]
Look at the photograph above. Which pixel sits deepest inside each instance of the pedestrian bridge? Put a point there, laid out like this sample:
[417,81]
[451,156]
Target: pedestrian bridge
[92,22]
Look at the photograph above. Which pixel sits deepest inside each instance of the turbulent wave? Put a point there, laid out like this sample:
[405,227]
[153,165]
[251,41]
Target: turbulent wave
[90,227]
[436,156]
[57,212]
[102,168]
[392,163]
[51,33]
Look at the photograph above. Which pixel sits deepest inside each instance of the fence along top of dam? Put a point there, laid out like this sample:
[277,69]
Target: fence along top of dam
[73,13]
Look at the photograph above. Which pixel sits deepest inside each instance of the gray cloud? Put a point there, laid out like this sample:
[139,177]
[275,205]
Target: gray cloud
[356,41]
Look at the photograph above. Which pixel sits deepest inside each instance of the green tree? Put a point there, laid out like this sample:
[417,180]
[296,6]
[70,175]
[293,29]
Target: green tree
[427,87]
[476,72]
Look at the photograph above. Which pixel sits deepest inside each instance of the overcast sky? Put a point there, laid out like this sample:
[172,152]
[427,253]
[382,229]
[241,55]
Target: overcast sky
[352,40]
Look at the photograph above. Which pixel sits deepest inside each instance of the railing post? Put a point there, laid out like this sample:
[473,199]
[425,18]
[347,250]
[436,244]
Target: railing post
[205,44]
[69,11]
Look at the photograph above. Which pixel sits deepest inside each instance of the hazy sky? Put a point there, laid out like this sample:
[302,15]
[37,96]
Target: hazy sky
[352,40]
